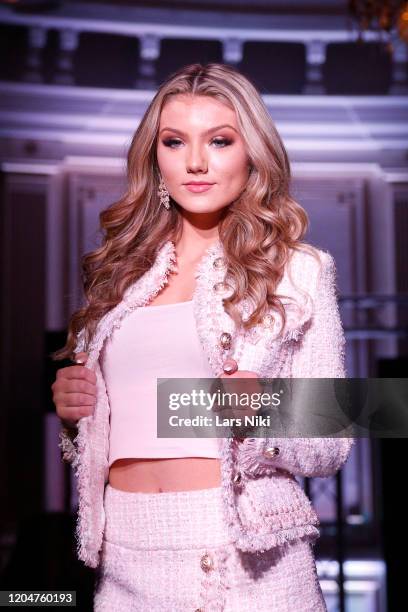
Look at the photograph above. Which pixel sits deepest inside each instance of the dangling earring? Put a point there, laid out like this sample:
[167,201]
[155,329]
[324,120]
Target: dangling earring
[163,194]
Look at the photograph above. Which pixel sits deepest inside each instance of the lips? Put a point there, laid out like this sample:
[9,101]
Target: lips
[198,187]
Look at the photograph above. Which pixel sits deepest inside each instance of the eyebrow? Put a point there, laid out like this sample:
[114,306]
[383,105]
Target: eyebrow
[213,129]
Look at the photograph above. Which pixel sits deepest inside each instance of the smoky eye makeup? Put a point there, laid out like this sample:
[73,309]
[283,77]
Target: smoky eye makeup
[169,142]
[222,141]
[219,141]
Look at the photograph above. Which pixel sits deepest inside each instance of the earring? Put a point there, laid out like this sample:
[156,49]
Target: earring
[163,194]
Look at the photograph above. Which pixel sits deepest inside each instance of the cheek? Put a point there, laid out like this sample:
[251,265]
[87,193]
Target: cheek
[232,168]
[170,166]
[162,159]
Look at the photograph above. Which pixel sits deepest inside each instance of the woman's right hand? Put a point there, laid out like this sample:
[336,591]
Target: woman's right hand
[74,392]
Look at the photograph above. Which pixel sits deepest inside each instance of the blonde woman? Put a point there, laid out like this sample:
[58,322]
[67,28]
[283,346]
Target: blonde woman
[202,273]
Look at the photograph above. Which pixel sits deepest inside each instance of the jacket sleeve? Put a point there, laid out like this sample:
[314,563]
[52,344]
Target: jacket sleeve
[319,353]
[67,436]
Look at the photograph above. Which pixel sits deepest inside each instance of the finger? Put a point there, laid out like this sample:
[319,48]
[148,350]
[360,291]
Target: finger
[67,385]
[240,374]
[74,413]
[230,366]
[80,358]
[63,399]
[77,371]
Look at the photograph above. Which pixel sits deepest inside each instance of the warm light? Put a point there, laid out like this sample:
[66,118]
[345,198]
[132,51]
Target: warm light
[402,24]
[386,16]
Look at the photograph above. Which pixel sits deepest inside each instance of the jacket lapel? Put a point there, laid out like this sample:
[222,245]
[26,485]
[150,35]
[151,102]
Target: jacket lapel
[210,316]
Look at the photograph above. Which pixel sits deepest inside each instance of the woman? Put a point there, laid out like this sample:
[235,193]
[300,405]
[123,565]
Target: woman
[199,280]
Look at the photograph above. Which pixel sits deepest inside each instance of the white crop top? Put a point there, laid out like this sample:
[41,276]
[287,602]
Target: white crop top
[152,342]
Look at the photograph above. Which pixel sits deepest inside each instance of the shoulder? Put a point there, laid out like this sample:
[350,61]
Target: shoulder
[307,265]
[309,278]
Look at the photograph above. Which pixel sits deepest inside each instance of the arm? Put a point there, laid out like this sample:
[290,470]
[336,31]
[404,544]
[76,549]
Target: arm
[319,353]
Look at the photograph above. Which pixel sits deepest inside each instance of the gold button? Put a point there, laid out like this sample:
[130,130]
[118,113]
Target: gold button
[206,563]
[225,340]
[237,478]
[271,452]
[219,263]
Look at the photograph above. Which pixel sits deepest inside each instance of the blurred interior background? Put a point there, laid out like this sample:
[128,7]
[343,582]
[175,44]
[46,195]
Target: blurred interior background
[75,79]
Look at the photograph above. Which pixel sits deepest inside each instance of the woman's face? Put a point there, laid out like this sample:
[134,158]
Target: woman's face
[199,141]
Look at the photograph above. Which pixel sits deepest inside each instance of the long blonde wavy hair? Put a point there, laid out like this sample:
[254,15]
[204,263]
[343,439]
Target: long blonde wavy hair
[257,230]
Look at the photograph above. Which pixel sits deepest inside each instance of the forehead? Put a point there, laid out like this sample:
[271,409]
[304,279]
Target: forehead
[196,110]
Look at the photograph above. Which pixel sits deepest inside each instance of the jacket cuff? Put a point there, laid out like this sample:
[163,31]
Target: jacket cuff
[252,459]
[311,457]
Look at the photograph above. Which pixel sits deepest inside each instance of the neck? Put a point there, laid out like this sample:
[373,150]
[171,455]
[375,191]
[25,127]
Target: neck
[190,249]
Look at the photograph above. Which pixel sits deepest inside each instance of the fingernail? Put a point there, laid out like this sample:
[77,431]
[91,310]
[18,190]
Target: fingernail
[229,366]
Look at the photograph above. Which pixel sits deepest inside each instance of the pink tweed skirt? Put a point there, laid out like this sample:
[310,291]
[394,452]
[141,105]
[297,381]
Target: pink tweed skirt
[170,552]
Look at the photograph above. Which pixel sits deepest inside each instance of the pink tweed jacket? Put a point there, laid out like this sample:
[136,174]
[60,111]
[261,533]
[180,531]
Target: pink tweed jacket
[264,503]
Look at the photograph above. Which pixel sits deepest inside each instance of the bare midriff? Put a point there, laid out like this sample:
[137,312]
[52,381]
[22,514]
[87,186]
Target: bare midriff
[148,475]
[161,475]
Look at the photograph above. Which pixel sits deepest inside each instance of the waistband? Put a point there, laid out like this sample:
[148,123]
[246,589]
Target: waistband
[171,520]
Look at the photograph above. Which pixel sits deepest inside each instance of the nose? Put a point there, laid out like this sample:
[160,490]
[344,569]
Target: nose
[196,160]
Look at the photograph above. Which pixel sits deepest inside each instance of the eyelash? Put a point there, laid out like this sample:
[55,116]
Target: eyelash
[168,142]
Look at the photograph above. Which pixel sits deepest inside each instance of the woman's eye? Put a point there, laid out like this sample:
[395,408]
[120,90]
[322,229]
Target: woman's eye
[220,142]
[170,141]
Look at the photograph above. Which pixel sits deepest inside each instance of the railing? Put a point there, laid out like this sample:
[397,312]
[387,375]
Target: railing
[149,36]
